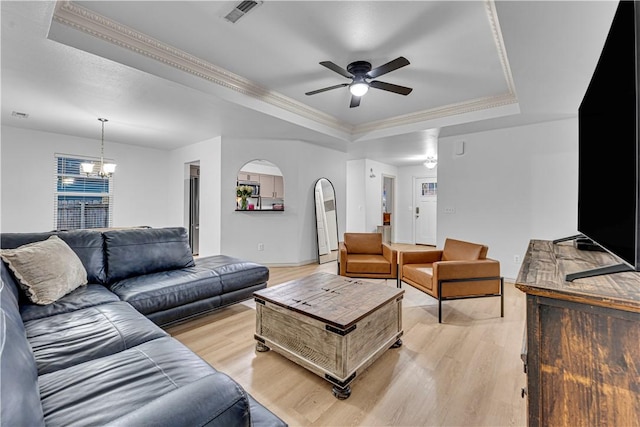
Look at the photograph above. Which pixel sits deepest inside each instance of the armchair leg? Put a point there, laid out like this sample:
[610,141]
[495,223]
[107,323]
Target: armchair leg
[502,297]
[439,301]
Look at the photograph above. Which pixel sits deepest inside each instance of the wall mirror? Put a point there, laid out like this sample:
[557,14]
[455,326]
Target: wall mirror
[259,187]
[326,221]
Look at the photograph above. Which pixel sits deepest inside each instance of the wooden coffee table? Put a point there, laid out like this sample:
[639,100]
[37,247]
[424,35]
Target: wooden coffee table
[331,325]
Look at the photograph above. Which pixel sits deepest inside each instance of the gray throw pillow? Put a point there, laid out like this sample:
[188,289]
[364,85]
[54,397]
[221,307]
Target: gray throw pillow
[46,270]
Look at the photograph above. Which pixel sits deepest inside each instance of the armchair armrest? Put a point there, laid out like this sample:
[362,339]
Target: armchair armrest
[443,270]
[389,253]
[342,259]
[419,257]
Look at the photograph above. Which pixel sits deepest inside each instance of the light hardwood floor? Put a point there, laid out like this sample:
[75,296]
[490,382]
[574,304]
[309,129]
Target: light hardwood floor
[464,372]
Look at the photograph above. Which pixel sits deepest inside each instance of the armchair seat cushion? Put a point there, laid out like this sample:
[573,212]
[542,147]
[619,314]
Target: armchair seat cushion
[373,264]
[419,273]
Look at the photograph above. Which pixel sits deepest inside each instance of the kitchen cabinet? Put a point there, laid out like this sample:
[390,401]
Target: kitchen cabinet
[272,186]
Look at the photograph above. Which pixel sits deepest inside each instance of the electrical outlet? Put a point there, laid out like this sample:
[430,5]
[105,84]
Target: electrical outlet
[516,259]
[449,210]
[261,246]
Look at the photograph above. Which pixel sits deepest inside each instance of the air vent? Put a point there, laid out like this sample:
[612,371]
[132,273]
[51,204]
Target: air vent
[240,10]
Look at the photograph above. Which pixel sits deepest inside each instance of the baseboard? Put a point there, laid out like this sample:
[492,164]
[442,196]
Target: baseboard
[294,264]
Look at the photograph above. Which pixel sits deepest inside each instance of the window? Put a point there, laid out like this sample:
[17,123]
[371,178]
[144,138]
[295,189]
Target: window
[80,201]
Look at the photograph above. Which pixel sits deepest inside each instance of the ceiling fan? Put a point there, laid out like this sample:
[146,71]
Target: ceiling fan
[359,72]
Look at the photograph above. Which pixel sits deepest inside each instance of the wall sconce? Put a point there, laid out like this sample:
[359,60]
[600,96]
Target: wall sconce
[431,162]
[372,175]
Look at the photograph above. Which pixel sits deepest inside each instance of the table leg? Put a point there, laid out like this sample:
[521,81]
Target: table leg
[397,344]
[341,393]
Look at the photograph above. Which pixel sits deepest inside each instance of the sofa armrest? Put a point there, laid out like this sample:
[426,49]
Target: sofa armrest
[342,259]
[215,400]
[443,270]
[419,257]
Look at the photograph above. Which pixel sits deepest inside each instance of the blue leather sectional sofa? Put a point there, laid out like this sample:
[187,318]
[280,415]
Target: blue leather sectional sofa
[97,356]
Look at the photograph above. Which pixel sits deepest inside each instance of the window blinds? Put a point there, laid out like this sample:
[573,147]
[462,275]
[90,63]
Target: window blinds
[80,201]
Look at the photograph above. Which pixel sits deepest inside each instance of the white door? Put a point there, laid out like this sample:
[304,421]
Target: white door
[425,211]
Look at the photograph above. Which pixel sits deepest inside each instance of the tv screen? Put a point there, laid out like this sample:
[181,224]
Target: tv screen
[608,143]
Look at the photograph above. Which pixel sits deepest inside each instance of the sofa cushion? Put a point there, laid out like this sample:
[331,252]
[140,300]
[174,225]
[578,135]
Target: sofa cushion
[234,273]
[87,244]
[372,264]
[71,338]
[166,289]
[211,277]
[457,250]
[363,243]
[20,396]
[79,298]
[14,240]
[193,405]
[135,252]
[103,390]
[46,270]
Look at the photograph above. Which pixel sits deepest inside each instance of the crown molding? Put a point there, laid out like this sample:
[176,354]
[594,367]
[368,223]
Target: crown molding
[82,19]
[438,113]
[463,107]
[96,25]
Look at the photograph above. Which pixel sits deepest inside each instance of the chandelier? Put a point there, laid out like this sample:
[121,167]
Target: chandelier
[431,162]
[105,170]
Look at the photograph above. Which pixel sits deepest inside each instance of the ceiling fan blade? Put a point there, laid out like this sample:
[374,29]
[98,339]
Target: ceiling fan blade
[355,101]
[313,92]
[338,69]
[402,90]
[399,62]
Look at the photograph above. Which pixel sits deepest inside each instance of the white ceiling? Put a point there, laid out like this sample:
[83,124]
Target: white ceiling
[171,73]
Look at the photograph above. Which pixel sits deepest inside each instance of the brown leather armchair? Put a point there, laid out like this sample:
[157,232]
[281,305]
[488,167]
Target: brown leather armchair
[364,255]
[460,270]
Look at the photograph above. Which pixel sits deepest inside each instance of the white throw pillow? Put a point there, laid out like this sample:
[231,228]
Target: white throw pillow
[46,270]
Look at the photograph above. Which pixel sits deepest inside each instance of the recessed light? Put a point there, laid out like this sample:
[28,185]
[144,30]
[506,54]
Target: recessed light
[19,115]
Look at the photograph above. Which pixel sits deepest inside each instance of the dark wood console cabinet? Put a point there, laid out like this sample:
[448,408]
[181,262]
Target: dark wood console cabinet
[582,339]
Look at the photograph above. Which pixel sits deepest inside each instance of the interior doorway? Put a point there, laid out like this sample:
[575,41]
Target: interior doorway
[425,208]
[194,207]
[388,185]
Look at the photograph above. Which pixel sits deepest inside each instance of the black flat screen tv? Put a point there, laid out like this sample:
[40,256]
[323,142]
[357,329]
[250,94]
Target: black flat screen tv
[608,190]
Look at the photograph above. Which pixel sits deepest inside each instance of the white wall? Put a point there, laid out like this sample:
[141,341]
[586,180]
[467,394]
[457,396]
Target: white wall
[511,185]
[364,194]
[208,154]
[356,197]
[289,237]
[28,185]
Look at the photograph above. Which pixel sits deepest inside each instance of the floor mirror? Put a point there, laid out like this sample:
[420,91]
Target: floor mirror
[326,221]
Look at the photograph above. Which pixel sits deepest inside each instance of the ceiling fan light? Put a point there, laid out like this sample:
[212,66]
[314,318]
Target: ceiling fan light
[358,89]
